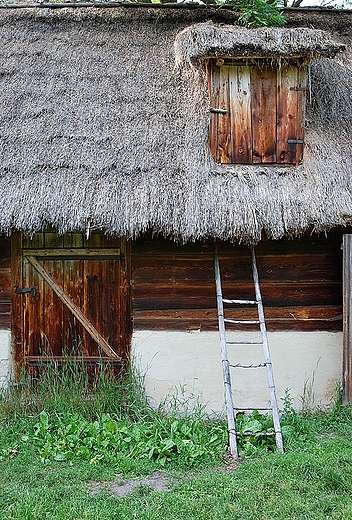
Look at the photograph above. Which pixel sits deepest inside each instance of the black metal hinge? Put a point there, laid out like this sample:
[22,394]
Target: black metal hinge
[33,290]
[295,141]
[218,110]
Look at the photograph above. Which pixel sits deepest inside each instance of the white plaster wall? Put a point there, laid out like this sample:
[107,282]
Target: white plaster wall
[5,358]
[309,364]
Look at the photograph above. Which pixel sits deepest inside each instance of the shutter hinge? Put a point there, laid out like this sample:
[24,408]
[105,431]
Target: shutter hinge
[295,141]
[218,110]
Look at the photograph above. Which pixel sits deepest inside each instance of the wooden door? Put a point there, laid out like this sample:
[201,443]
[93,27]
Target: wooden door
[75,299]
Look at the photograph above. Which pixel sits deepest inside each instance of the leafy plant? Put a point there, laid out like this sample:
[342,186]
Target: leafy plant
[257,13]
[255,433]
[161,439]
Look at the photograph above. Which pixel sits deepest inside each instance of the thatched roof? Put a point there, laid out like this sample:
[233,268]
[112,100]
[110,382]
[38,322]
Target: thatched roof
[98,126]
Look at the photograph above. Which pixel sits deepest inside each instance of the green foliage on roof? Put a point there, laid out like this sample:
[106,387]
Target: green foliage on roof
[257,13]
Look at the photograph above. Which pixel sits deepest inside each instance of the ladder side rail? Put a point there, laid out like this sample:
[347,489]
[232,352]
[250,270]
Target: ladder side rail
[273,397]
[224,360]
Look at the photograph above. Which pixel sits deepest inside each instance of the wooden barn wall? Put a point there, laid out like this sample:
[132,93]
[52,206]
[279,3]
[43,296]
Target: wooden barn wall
[5,283]
[173,286]
[301,280]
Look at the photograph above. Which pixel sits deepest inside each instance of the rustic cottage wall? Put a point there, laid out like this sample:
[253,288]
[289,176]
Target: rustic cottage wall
[84,174]
[175,341]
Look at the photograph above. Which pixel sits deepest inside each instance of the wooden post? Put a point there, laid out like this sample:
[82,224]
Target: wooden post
[16,301]
[347,318]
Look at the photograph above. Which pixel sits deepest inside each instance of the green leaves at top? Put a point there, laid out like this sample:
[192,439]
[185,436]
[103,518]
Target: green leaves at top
[257,13]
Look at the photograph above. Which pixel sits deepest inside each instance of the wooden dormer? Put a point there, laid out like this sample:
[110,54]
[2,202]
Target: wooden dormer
[257,111]
[257,80]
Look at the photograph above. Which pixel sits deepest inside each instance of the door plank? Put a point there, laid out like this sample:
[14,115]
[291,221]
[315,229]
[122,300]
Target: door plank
[73,287]
[17,302]
[347,318]
[53,344]
[33,314]
[95,335]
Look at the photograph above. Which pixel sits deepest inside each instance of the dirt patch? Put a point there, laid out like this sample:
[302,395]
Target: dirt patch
[230,463]
[156,482]
[120,488]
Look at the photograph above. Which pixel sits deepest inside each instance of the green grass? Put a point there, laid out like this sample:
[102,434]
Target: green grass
[312,480]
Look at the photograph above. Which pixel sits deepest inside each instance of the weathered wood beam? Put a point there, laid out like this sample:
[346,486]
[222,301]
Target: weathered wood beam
[347,317]
[74,253]
[17,308]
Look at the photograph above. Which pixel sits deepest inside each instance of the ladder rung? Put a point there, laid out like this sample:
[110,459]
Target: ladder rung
[253,409]
[244,342]
[240,302]
[239,365]
[244,322]
[259,434]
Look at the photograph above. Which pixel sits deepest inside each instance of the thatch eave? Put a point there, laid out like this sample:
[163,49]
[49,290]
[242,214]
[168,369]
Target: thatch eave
[207,39]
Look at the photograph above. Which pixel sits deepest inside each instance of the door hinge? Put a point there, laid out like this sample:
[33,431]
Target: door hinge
[33,290]
[298,89]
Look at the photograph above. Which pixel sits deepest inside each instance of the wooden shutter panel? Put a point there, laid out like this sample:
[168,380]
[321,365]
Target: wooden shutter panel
[220,128]
[263,84]
[240,114]
[230,129]
[290,114]
[257,113]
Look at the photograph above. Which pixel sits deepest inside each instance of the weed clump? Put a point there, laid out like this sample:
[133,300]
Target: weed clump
[69,416]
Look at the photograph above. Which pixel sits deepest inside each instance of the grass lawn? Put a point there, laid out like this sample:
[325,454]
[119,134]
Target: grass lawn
[61,465]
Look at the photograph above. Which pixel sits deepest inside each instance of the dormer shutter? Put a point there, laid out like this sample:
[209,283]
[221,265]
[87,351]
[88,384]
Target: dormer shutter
[257,112]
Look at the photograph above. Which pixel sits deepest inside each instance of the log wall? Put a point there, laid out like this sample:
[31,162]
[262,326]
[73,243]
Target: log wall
[301,281]
[173,286]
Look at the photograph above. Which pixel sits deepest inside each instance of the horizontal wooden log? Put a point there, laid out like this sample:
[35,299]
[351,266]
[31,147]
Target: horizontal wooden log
[292,318]
[6,290]
[5,251]
[5,273]
[310,244]
[153,296]
[291,268]
[5,319]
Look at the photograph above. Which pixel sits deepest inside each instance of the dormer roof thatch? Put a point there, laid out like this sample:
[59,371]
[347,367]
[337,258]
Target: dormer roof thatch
[100,128]
[204,40]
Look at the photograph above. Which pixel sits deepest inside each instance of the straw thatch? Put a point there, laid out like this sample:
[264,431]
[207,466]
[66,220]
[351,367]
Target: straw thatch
[100,128]
[208,39]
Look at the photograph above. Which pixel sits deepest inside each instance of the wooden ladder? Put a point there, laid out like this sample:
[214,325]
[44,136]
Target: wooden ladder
[227,366]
